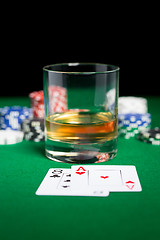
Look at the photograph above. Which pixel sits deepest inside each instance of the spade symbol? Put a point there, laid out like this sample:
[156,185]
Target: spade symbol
[68,175]
[55,175]
[65,186]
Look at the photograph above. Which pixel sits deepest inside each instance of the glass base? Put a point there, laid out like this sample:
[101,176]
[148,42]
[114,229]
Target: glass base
[81,153]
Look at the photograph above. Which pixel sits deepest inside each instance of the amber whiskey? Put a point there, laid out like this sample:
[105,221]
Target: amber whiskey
[81,127]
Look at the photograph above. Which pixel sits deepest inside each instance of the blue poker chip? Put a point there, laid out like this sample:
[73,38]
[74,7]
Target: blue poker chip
[134,120]
[134,116]
[11,118]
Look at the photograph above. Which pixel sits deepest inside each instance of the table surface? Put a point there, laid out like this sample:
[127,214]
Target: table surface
[24,215]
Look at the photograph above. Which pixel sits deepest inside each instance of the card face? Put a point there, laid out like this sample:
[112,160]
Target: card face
[115,178]
[105,178]
[58,182]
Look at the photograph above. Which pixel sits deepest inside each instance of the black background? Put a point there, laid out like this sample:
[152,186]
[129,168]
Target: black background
[31,41]
[24,73]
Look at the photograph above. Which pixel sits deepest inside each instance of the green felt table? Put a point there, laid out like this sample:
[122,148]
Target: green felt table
[24,215]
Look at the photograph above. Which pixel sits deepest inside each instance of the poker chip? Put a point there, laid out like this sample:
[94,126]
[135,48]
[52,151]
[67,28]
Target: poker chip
[151,136]
[133,116]
[11,117]
[57,101]
[10,137]
[110,99]
[37,104]
[33,129]
[134,119]
[102,157]
[129,125]
[131,104]
[130,132]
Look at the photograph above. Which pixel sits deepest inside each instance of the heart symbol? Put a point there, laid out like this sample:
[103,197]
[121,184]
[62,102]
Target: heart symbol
[130,184]
[104,177]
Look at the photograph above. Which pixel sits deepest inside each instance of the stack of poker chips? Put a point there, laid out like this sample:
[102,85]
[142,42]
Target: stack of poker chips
[151,136]
[37,103]
[132,105]
[11,119]
[33,129]
[29,122]
[133,116]
[57,98]
[10,137]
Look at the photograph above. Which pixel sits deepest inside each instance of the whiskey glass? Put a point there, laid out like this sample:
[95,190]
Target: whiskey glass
[81,108]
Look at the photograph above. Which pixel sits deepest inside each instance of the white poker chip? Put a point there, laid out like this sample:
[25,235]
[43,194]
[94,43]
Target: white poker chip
[132,105]
[10,137]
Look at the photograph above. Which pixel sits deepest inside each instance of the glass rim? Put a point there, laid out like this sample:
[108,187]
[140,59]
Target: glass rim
[114,68]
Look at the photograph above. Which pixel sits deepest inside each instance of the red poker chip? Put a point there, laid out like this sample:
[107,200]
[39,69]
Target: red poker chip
[38,111]
[57,99]
[37,96]
[37,103]
[103,157]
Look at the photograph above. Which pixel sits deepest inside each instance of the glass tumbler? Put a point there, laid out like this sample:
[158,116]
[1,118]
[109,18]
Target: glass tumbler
[81,107]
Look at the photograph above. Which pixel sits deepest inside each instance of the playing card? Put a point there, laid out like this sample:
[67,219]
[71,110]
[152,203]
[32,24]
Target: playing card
[58,182]
[115,178]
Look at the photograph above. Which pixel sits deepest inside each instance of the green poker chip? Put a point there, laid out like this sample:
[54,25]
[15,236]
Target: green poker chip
[129,132]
